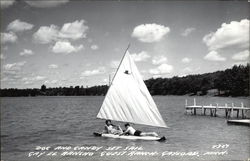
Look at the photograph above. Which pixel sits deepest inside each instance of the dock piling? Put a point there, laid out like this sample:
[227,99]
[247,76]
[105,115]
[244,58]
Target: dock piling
[215,110]
[226,110]
[232,110]
[211,110]
[242,111]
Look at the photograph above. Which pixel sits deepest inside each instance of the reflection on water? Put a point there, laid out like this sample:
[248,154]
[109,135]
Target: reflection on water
[27,122]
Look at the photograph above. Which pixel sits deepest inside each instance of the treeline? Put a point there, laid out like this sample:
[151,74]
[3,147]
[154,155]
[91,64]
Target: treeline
[58,91]
[231,82]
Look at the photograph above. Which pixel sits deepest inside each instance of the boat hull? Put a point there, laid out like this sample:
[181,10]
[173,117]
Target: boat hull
[131,137]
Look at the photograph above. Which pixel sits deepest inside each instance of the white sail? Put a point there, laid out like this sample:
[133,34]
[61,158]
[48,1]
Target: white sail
[128,98]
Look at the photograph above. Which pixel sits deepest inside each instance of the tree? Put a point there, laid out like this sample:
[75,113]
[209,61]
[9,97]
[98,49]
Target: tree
[43,88]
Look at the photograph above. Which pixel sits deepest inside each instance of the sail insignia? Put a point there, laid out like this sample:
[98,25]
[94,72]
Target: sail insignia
[126,72]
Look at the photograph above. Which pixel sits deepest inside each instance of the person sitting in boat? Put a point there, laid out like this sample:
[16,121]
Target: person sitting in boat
[131,131]
[112,129]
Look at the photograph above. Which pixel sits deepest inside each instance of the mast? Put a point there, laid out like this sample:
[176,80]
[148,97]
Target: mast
[109,79]
[110,82]
[120,63]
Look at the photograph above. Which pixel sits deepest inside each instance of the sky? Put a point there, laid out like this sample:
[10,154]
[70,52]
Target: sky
[71,43]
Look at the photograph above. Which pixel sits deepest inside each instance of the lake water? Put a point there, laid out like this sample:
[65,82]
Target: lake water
[28,122]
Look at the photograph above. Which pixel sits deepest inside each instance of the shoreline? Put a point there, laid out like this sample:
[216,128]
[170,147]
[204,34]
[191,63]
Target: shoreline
[209,96]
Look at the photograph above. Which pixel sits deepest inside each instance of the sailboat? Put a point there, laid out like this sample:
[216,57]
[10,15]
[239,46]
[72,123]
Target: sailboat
[128,100]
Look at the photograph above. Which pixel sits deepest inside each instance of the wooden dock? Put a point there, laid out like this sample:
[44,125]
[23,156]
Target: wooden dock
[213,109]
[239,122]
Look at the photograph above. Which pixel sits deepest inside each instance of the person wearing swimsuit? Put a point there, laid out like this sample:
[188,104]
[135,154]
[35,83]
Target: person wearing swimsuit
[131,131]
[112,129]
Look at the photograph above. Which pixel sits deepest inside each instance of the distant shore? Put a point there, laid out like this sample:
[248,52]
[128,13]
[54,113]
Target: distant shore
[240,97]
[230,82]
